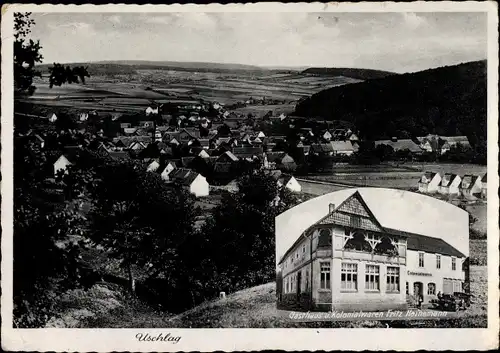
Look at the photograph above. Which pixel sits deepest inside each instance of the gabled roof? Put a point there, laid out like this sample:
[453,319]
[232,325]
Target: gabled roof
[183,176]
[400,145]
[468,181]
[427,177]
[119,155]
[285,178]
[275,156]
[424,243]
[342,146]
[455,139]
[448,179]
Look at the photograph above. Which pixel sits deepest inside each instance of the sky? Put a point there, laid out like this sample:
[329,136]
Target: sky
[399,42]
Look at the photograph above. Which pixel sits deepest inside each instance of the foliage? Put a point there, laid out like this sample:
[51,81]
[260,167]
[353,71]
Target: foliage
[129,216]
[446,101]
[60,74]
[27,55]
[49,264]
[241,250]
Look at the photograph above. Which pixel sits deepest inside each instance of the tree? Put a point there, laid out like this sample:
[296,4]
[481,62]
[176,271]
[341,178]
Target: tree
[241,250]
[129,216]
[27,55]
[49,265]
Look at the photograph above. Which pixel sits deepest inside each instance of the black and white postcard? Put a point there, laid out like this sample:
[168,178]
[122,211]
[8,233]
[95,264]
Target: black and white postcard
[250,176]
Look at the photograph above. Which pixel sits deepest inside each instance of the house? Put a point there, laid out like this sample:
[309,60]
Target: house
[145,124]
[400,145]
[429,182]
[453,141]
[119,155]
[195,183]
[279,160]
[83,116]
[248,152]
[322,149]
[151,110]
[342,147]
[260,134]
[130,130]
[227,157]
[345,251]
[290,183]
[450,184]
[203,154]
[52,117]
[327,136]
[137,146]
[62,163]
[484,186]
[353,137]
[166,169]
[153,166]
[471,185]
[39,140]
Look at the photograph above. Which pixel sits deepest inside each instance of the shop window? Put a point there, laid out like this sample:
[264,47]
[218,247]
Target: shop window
[392,279]
[325,275]
[349,276]
[431,289]
[372,277]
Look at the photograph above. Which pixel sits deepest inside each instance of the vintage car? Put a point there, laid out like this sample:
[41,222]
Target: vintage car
[450,302]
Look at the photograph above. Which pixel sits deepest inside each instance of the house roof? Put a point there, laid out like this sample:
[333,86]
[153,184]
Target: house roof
[183,176]
[448,179]
[484,179]
[468,181]
[122,155]
[427,177]
[342,146]
[322,147]
[247,151]
[455,139]
[285,178]
[424,243]
[400,145]
[275,156]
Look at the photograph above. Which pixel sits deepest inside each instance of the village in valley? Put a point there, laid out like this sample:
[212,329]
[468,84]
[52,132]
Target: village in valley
[153,186]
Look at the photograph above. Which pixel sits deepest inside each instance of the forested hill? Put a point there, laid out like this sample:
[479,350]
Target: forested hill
[449,101]
[360,74]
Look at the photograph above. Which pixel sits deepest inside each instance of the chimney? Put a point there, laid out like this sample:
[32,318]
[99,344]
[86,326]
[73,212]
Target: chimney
[331,208]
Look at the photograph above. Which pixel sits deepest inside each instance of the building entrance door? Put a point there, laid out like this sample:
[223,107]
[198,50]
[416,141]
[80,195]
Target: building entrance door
[418,291]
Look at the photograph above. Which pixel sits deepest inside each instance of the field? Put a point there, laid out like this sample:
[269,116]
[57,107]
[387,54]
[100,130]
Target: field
[136,90]
[401,176]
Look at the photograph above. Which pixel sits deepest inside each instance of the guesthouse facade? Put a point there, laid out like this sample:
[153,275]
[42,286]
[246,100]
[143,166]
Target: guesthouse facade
[348,260]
